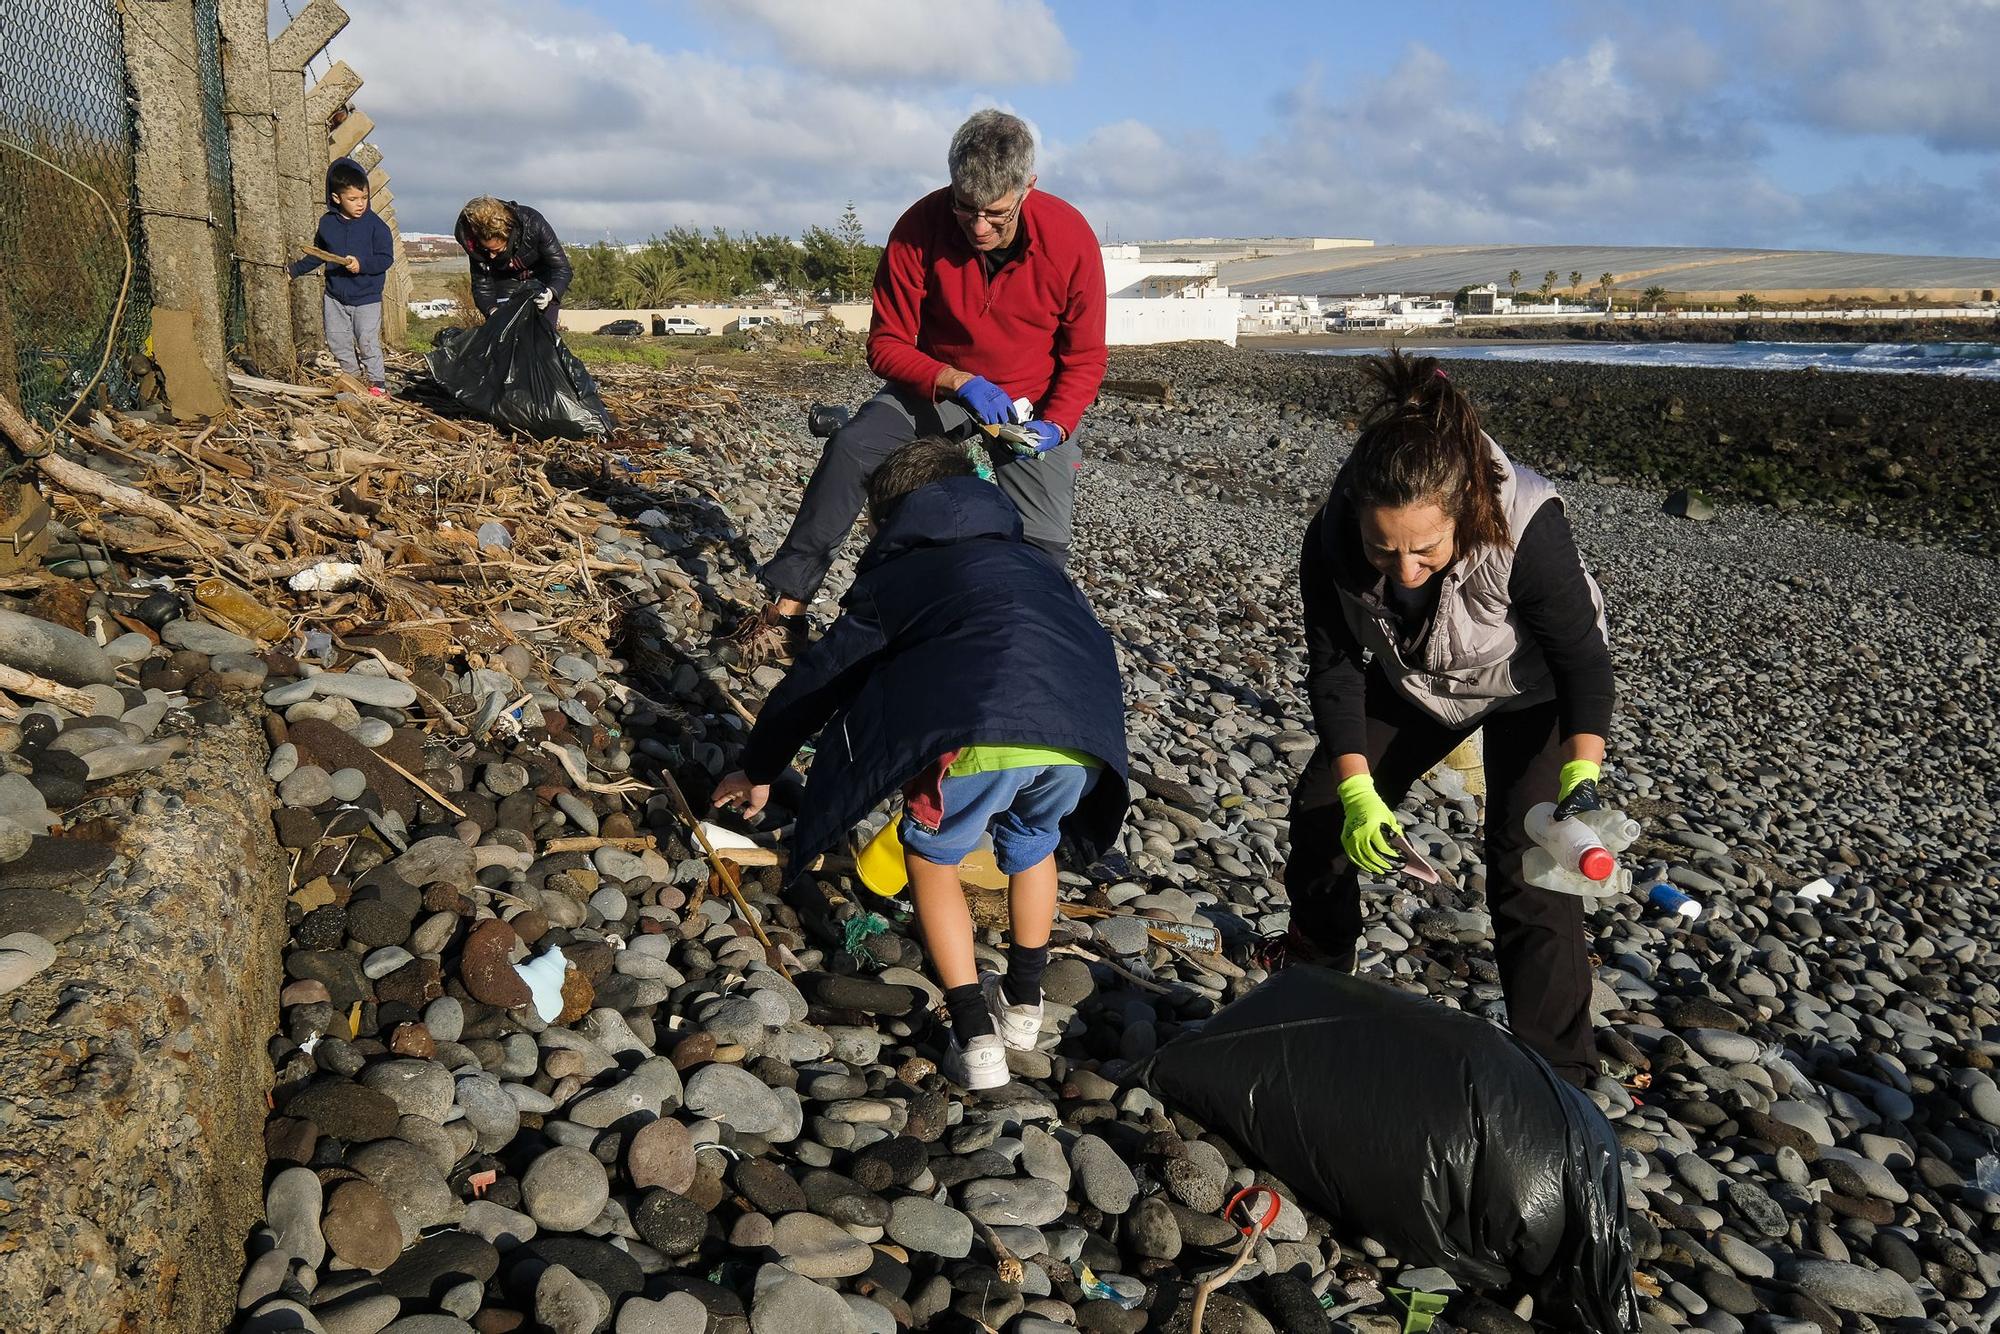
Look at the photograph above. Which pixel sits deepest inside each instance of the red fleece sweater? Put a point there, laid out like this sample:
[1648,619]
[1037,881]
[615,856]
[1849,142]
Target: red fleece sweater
[1036,330]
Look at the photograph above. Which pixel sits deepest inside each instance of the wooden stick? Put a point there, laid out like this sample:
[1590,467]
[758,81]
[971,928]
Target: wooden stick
[54,692]
[421,786]
[584,844]
[258,384]
[76,478]
[326,255]
[722,869]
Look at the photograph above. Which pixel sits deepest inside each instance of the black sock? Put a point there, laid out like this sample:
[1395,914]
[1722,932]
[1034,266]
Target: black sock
[969,1016]
[1023,983]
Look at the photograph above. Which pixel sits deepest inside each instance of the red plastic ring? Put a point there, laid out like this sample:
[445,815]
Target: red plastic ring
[1250,1192]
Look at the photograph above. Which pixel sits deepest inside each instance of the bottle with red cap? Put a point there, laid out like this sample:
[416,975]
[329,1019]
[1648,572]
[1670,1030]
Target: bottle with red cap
[1579,855]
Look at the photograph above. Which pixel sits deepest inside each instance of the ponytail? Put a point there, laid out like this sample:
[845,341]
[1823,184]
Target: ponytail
[1421,442]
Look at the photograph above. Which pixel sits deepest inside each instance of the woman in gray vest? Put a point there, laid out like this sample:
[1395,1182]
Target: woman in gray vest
[1444,596]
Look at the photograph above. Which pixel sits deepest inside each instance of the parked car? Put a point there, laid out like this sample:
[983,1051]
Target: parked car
[745,323]
[682,324]
[622,328]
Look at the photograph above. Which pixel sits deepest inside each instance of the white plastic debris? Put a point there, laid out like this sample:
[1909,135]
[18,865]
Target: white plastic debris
[544,977]
[329,576]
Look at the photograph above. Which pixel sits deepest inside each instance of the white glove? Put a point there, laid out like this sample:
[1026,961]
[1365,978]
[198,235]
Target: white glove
[542,299]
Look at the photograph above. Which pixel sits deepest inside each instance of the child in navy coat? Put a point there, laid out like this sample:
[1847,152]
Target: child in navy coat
[967,671]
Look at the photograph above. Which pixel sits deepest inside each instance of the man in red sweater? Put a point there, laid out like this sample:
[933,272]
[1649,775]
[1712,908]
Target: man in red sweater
[988,292]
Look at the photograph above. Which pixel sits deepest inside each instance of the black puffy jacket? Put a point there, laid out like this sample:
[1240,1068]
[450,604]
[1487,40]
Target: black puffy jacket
[533,252]
[955,633]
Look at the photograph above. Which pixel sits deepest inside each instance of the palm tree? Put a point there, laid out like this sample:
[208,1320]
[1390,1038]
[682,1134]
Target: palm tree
[1549,280]
[1746,300]
[654,278]
[1575,280]
[1654,294]
[1605,281]
[1513,282]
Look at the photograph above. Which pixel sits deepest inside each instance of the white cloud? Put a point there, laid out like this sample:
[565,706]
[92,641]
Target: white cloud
[543,104]
[1888,66]
[1634,137]
[999,42]
[1583,153]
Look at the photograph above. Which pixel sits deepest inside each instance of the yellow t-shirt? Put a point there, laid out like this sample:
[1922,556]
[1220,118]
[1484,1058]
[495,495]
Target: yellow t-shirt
[992,759]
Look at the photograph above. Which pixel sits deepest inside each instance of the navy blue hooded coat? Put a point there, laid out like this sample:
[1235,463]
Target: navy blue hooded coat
[955,633]
[367,238]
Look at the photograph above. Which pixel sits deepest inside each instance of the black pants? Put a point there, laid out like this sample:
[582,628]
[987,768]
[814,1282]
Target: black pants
[1042,487]
[1538,934]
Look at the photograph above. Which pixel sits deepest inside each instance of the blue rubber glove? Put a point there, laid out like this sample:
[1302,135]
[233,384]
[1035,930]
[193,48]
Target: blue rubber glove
[987,401]
[1047,436]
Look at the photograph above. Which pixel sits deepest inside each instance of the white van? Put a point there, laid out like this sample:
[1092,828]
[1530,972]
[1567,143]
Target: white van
[683,324]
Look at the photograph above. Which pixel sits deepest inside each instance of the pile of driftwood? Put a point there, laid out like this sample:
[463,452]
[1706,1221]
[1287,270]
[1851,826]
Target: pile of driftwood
[315,506]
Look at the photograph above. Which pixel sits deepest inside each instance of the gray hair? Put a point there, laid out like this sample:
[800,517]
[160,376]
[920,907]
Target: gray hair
[992,154]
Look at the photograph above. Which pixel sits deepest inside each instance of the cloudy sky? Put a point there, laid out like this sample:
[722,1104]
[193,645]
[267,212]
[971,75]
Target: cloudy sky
[1845,124]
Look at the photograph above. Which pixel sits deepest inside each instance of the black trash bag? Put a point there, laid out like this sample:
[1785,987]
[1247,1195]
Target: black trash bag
[514,371]
[1430,1130]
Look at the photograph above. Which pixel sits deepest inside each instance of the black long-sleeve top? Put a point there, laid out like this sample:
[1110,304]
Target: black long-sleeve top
[1550,596]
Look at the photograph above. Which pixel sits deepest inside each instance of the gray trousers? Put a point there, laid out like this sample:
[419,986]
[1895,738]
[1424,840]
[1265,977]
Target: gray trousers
[355,331]
[1042,486]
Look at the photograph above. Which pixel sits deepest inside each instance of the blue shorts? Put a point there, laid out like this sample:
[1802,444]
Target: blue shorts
[1023,808]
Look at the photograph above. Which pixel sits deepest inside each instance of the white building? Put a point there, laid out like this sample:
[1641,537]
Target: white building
[1164,301]
[1390,311]
[1263,316]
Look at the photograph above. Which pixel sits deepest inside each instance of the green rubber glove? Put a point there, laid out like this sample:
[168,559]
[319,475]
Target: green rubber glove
[1576,788]
[1370,828]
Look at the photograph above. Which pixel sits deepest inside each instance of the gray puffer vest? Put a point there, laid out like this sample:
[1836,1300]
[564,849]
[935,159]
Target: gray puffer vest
[1475,658]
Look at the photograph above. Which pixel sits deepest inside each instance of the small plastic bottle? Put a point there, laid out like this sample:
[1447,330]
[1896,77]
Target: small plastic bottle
[1579,855]
[1669,899]
[240,609]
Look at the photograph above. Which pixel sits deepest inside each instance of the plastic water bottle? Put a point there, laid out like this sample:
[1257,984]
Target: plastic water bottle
[1669,899]
[1579,855]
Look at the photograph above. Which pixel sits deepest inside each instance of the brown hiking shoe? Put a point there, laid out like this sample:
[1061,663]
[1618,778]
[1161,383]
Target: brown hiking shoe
[768,638]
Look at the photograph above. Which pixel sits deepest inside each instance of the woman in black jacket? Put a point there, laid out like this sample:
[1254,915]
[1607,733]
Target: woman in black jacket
[1444,596]
[513,252]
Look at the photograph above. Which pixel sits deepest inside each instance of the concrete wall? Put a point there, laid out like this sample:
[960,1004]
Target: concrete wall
[1132,320]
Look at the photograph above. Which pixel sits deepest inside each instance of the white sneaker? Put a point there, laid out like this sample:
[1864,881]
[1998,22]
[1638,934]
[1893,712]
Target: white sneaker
[981,1065]
[1020,1025]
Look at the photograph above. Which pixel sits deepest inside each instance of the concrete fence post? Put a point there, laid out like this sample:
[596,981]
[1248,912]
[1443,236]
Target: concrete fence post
[171,175]
[302,158]
[396,290]
[253,150]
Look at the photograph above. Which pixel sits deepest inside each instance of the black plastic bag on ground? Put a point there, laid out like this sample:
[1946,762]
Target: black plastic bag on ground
[1428,1129]
[514,371]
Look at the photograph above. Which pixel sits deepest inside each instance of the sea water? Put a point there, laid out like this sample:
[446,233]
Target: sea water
[1977,361]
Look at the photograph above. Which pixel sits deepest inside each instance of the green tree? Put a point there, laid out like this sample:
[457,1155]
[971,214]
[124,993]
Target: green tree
[1607,282]
[1746,300]
[1549,281]
[653,279]
[1575,280]
[1513,282]
[1654,294]
[598,275]
[854,248]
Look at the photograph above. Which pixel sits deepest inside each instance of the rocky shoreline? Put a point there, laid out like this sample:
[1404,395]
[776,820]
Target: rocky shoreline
[533,1070]
[1803,329]
[1910,457]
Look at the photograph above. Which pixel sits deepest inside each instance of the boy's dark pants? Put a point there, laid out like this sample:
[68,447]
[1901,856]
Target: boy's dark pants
[1538,934]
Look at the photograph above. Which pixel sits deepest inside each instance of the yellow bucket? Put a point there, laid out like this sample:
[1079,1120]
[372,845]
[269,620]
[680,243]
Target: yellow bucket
[882,871]
[880,864]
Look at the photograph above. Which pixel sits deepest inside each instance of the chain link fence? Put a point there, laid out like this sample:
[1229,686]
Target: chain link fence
[221,182]
[64,97]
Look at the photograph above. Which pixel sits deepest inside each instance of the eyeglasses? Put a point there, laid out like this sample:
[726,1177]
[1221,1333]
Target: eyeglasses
[992,217]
